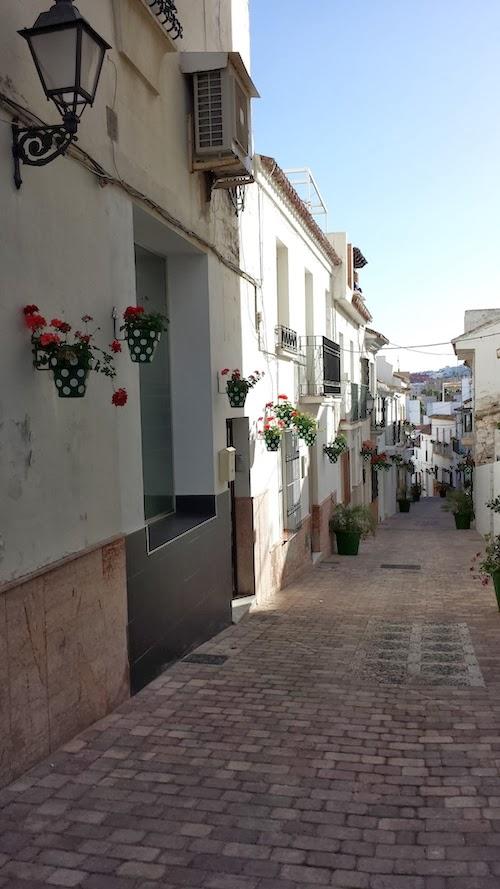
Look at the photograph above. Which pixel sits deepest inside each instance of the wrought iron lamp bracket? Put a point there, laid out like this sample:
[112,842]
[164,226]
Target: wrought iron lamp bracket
[38,146]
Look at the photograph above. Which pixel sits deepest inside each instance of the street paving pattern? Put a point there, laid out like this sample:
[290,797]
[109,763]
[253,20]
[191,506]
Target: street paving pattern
[346,734]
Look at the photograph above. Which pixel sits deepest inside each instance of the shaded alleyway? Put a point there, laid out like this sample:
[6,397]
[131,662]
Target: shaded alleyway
[350,739]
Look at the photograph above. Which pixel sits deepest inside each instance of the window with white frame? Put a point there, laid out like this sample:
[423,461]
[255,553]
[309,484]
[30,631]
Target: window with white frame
[292,518]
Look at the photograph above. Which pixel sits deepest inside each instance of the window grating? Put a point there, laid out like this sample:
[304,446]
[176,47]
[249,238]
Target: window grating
[209,108]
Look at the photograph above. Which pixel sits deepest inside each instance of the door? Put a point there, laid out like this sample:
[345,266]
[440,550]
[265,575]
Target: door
[346,477]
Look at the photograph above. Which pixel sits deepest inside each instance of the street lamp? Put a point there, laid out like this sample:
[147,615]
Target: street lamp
[370,404]
[68,56]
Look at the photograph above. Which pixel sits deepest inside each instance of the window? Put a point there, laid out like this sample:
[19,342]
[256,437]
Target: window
[468,422]
[282,284]
[341,347]
[156,415]
[291,481]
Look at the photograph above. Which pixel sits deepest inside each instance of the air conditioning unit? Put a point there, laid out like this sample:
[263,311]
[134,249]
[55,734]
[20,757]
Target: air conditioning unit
[222,91]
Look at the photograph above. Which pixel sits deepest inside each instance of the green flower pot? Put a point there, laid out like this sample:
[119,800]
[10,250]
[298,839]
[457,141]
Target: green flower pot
[142,344]
[237,394]
[496,583]
[404,505]
[309,438]
[70,374]
[462,521]
[348,542]
[273,444]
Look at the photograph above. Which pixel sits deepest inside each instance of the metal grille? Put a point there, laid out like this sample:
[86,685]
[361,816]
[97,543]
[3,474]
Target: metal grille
[209,109]
[331,367]
[390,567]
[166,11]
[287,338]
[291,480]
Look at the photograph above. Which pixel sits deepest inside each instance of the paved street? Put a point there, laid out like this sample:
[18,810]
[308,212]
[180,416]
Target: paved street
[351,739]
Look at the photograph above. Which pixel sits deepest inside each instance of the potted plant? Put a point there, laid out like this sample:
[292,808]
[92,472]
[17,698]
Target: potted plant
[336,448]
[272,432]
[349,524]
[368,448]
[416,491]
[307,428]
[143,331]
[460,503]
[381,462]
[442,489]
[238,387]
[490,565]
[404,501]
[70,359]
[397,459]
[284,410]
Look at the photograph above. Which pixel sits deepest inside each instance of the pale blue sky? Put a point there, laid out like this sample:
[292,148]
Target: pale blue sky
[395,107]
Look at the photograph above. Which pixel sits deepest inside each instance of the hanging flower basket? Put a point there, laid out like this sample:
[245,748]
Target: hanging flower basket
[143,332]
[336,448]
[238,387]
[368,449]
[309,438]
[69,362]
[272,438]
[271,432]
[306,427]
[284,410]
[70,369]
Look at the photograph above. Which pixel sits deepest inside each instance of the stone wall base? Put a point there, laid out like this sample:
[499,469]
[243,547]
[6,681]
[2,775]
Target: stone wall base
[277,564]
[320,531]
[63,654]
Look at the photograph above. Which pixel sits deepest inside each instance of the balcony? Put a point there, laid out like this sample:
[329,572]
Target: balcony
[320,375]
[287,343]
[166,13]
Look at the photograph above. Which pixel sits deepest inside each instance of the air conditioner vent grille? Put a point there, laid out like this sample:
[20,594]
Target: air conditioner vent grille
[210,117]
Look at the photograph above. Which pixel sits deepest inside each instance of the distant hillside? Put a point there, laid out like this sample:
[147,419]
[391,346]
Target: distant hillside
[422,376]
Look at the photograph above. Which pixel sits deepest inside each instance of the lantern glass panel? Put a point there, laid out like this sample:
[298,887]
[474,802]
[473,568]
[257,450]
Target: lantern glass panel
[92,58]
[56,57]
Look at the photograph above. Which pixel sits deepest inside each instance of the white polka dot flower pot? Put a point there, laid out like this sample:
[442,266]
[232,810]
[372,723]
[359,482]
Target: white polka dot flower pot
[142,344]
[70,375]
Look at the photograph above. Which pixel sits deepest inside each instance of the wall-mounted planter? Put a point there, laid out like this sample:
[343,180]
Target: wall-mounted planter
[70,374]
[142,344]
[237,393]
[309,438]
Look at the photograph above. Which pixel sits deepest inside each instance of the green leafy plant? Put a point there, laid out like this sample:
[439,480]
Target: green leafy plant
[336,448]
[283,410]
[416,490]
[357,519]
[368,448]
[459,503]
[306,426]
[136,316]
[494,504]
[490,563]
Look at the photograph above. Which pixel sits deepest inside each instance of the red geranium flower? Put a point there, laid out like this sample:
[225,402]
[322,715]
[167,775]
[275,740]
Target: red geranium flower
[35,322]
[132,311]
[63,326]
[116,346]
[47,339]
[269,404]
[283,397]
[83,337]
[30,310]
[120,397]
[87,318]
[224,372]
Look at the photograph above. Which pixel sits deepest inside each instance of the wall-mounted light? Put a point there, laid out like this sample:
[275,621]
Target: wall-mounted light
[68,55]
[370,404]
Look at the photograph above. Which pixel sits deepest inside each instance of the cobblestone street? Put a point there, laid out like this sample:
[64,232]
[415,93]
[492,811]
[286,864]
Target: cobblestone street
[348,737]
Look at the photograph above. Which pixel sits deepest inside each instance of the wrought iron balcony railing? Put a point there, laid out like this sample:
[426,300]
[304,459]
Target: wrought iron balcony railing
[321,373]
[166,11]
[287,340]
